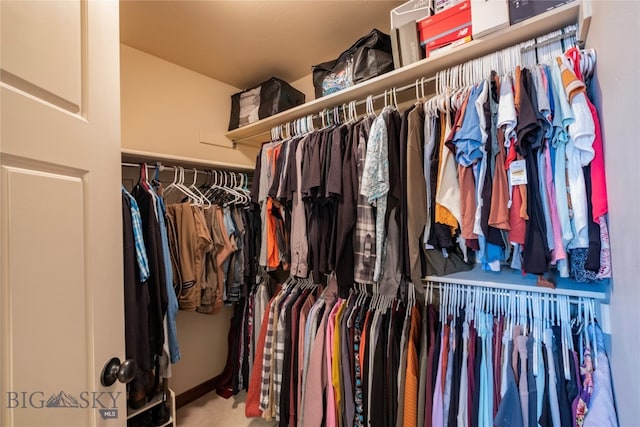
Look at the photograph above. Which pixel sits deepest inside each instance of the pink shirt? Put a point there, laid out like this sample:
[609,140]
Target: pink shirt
[331,417]
[316,379]
[558,247]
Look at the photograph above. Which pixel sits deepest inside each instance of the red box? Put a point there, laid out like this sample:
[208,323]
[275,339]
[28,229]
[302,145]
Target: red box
[447,23]
[459,37]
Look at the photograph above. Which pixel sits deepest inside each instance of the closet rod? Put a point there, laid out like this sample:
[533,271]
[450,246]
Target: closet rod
[507,292]
[173,168]
[562,36]
[380,95]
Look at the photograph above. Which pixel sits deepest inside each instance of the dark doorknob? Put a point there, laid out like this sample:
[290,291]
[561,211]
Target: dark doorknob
[114,370]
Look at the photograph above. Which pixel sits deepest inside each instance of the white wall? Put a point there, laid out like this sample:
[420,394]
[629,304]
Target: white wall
[164,108]
[614,35]
[305,85]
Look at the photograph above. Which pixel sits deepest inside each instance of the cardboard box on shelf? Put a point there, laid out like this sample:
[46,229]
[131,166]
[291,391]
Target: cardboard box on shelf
[488,16]
[406,45]
[446,27]
[519,10]
[410,11]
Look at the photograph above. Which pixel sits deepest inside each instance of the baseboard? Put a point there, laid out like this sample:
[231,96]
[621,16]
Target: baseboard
[193,393]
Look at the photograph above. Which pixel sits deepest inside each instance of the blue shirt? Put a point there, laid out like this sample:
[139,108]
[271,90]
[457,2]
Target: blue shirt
[172,300]
[141,251]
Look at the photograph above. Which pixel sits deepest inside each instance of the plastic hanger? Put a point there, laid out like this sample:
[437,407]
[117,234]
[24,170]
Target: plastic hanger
[369,106]
[565,330]
[193,199]
[443,297]
[203,200]
[172,186]
[229,185]
[592,321]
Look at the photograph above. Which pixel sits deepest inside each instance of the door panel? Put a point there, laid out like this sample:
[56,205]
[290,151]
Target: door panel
[42,49]
[53,214]
[61,298]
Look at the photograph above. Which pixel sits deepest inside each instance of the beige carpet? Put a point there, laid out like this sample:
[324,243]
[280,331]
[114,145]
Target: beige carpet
[212,410]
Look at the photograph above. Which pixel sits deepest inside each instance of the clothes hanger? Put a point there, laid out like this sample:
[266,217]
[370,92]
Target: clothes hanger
[443,297]
[369,106]
[172,186]
[592,321]
[238,198]
[565,330]
[193,198]
[201,199]
[233,185]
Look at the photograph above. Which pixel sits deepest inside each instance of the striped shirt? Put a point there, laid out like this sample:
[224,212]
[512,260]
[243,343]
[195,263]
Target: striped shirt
[364,238]
[267,356]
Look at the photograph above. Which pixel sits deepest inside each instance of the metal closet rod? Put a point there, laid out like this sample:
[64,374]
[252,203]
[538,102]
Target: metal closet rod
[186,169]
[528,293]
[388,92]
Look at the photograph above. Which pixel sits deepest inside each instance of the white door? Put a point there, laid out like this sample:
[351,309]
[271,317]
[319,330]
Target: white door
[61,294]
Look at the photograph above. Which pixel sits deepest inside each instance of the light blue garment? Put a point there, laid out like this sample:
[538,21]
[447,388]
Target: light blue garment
[602,410]
[516,261]
[172,300]
[562,201]
[375,183]
[537,347]
[509,412]
[485,331]
[562,119]
[468,139]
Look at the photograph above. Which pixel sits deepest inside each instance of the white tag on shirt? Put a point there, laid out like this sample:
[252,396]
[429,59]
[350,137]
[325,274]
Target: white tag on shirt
[518,172]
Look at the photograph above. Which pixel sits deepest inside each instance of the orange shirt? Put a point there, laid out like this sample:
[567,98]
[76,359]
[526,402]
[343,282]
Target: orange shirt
[412,373]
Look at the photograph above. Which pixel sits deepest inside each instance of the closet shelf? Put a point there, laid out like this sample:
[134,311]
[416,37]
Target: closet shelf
[156,400]
[562,16]
[514,280]
[135,156]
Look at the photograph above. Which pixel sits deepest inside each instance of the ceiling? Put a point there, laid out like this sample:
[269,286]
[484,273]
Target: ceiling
[243,43]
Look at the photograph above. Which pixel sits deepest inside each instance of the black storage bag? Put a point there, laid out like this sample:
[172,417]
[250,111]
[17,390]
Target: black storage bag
[264,100]
[369,57]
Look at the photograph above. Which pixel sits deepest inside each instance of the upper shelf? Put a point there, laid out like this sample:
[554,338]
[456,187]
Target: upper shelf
[539,25]
[136,156]
[514,280]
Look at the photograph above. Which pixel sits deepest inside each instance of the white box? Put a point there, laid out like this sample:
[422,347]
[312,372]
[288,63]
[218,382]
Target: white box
[410,11]
[488,16]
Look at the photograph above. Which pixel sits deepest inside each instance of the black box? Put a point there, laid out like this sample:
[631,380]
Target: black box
[519,10]
[264,100]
